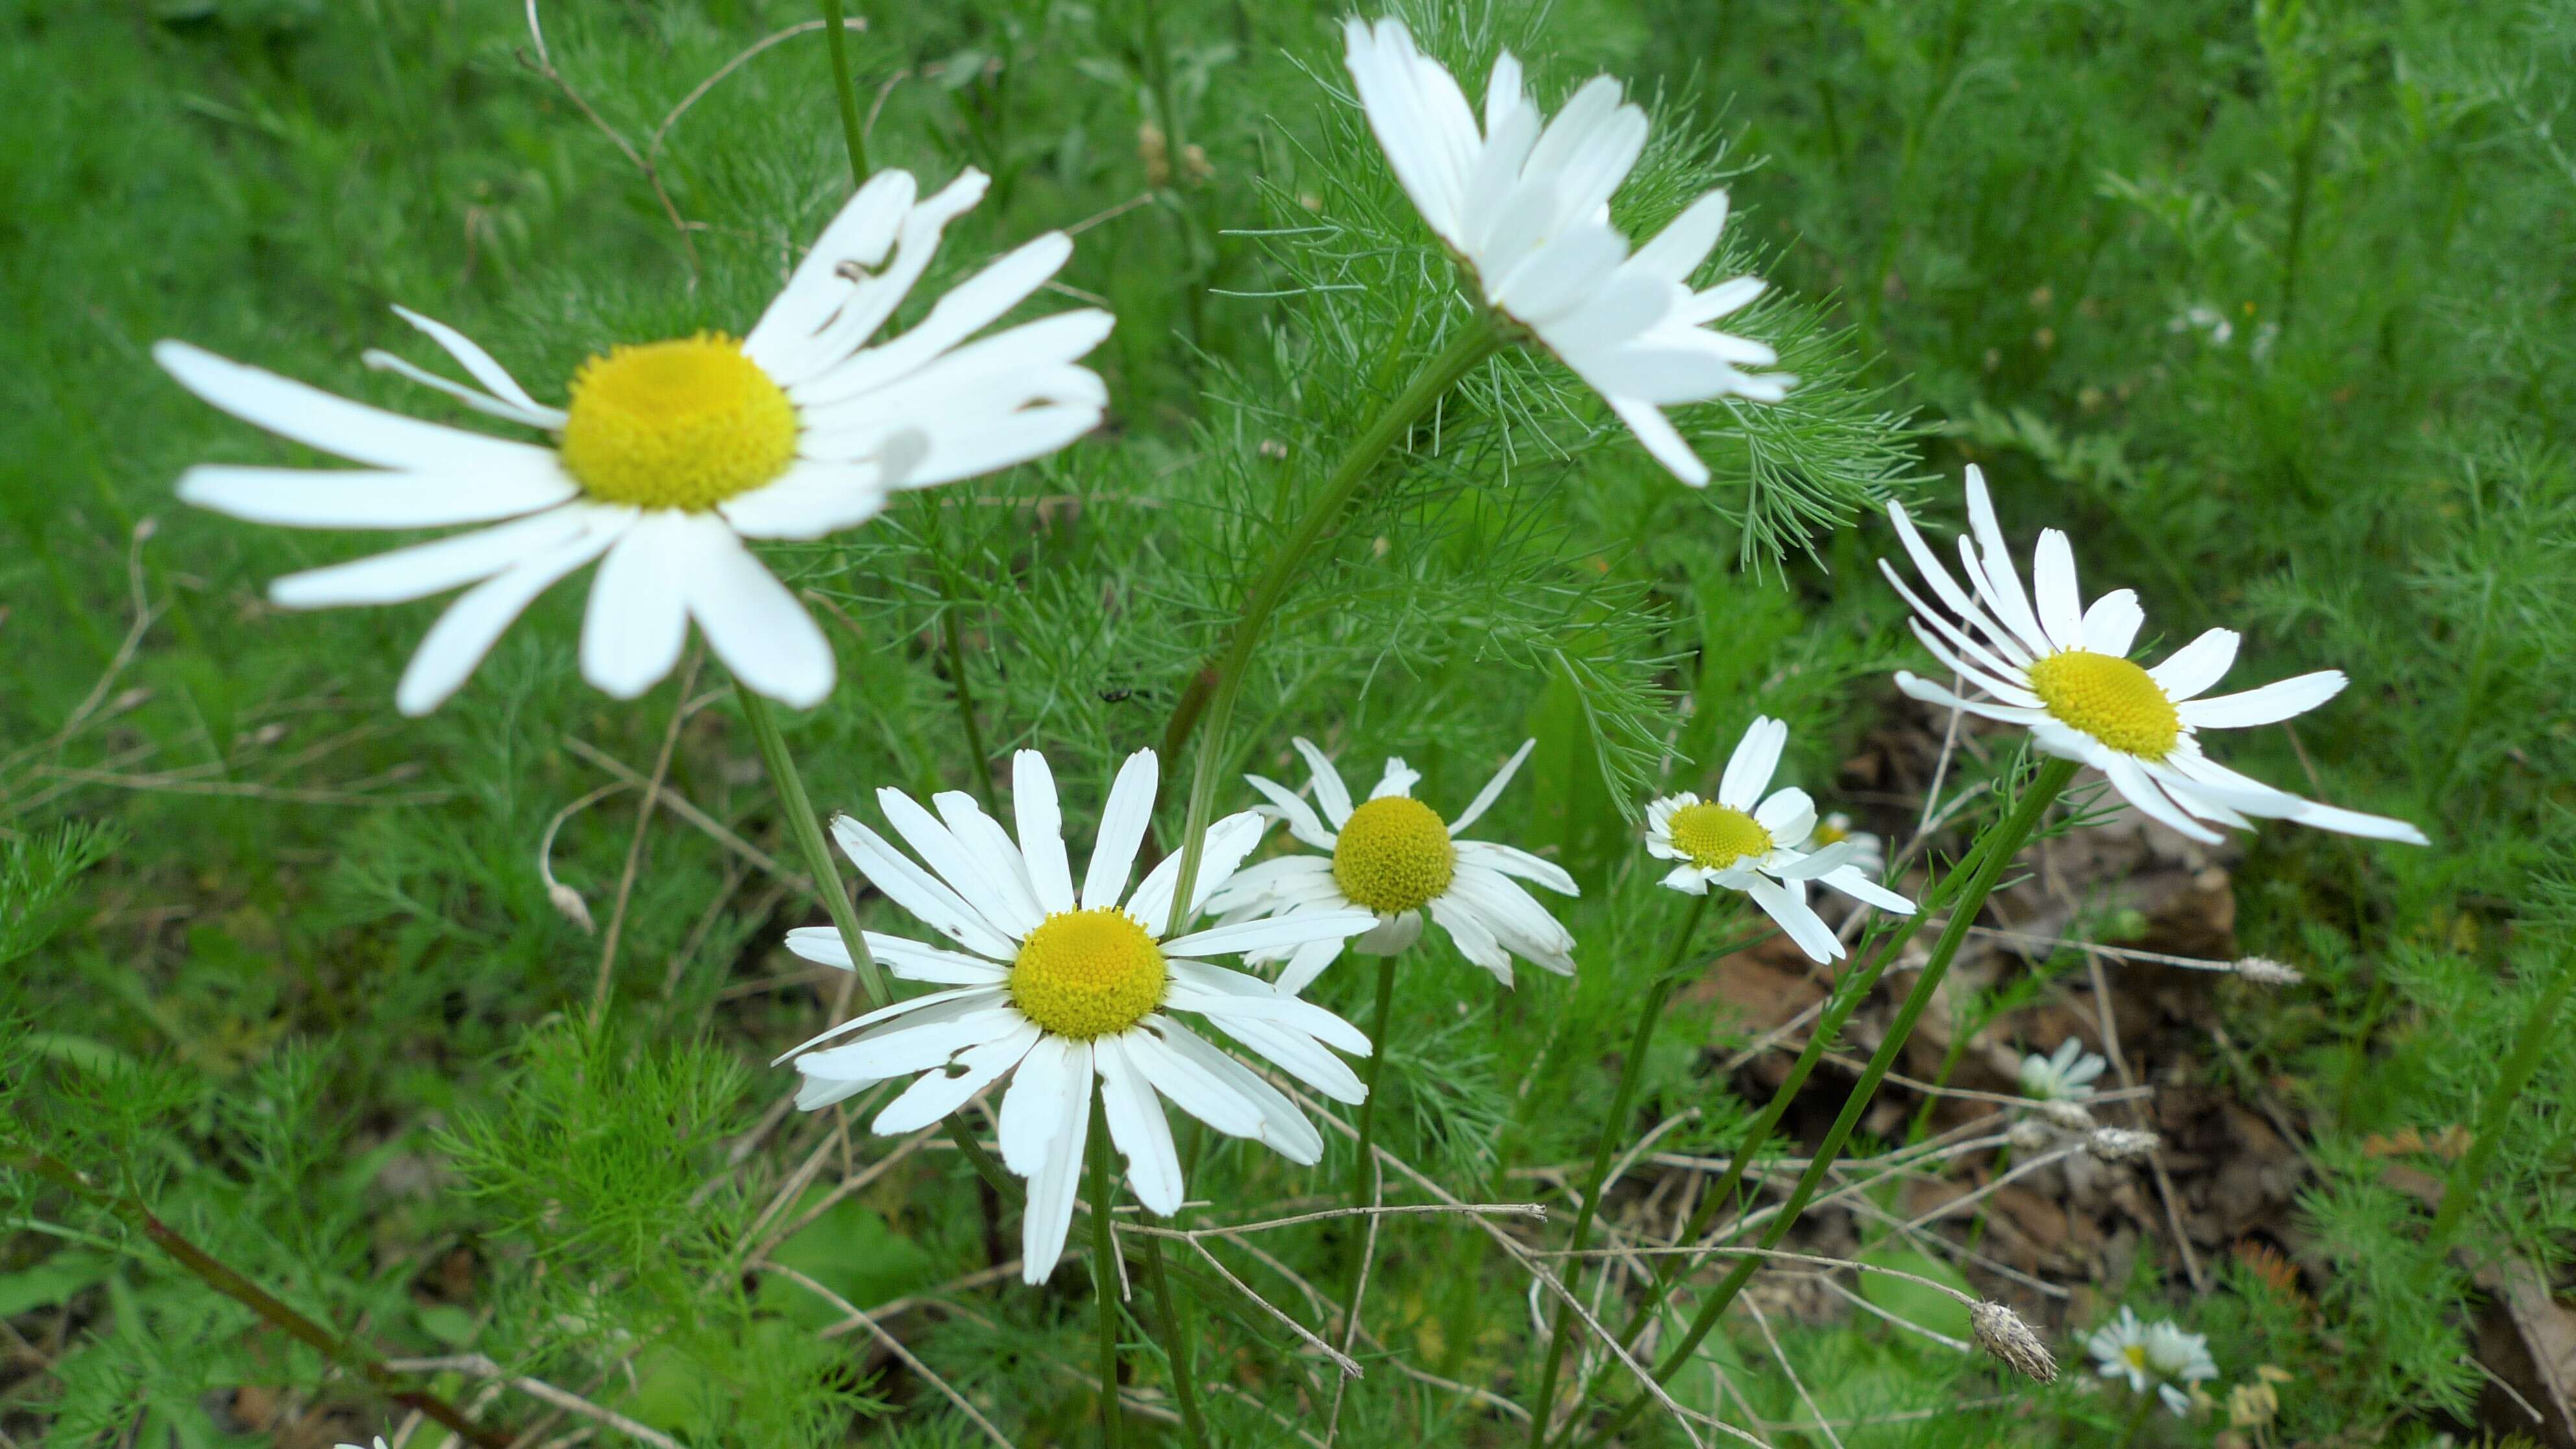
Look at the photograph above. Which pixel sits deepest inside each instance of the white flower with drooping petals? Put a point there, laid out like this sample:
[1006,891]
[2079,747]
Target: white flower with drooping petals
[1063,989]
[2153,1357]
[1394,856]
[1525,203]
[2045,661]
[1746,842]
[2065,1076]
[670,454]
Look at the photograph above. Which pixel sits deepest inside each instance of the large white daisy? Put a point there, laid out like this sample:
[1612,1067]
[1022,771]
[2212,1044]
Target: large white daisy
[2158,1357]
[2044,660]
[1524,203]
[669,454]
[1071,988]
[1757,844]
[1395,857]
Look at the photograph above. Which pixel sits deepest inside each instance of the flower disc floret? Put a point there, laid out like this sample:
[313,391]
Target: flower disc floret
[1086,974]
[1394,855]
[1717,836]
[2110,698]
[682,424]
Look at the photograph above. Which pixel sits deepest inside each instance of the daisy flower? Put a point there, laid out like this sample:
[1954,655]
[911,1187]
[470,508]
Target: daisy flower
[2044,660]
[1061,989]
[668,455]
[1869,850]
[1394,857]
[2157,1357]
[1524,204]
[2065,1076]
[1744,841]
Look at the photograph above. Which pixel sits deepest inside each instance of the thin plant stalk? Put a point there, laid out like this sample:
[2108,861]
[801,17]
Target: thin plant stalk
[2539,1030]
[1473,344]
[2004,843]
[1851,991]
[224,1279]
[2138,1418]
[808,832]
[1177,1343]
[1104,1273]
[1623,1101]
[1364,1167]
[853,134]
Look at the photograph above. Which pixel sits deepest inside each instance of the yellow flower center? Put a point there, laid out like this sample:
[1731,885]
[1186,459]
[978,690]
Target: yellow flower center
[2136,1354]
[1716,836]
[687,423]
[1088,973]
[2110,699]
[1394,855]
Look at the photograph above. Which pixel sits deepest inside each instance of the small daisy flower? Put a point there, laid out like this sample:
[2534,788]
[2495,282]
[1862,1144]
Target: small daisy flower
[2153,1357]
[1394,857]
[2064,1076]
[2043,660]
[1869,850]
[668,455]
[1746,842]
[1524,203]
[1062,989]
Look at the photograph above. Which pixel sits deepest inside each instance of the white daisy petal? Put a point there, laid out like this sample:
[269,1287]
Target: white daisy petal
[1299,815]
[1123,822]
[751,620]
[2061,608]
[1047,1077]
[908,960]
[1228,842]
[1399,779]
[2112,624]
[1788,906]
[1308,962]
[638,615]
[531,416]
[1137,1125]
[1294,930]
[1049,1215]
[326,498]
[457,643]
[479,364]
[994,854]
[813,498]
[1297,1054]
[1283,1127]
[430,568]
[1329,790]
[1749,769]
[1041,825]
[859,236]
[917,891]
[1189,1085]
[1510,860]
[936,1094]
[2268,704]
[1851,882]
[1515,918]
[976,880]
[2192,669]
[1789,816]
[1493,790]
[1473,938]
[355,431]
[2150,799]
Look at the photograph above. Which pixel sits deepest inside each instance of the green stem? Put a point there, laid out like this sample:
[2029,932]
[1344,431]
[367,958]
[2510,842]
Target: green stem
[952,634]
[1363,1167]
[1104,1274]
[852,137]
[2003,844]
[1623,1101]
[1849,993]
[2138,1417]
[223,1279]
[1471,346]
[808,832]
[1177,1344]
[2538,1030]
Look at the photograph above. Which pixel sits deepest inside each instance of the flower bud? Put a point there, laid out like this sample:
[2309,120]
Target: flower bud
[2005,1336]
[2120,1144]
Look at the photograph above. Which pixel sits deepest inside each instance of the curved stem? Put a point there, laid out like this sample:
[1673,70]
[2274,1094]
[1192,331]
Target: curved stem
[1632,1071]
[223,1279]
[1850,992]
[1471,346]
[808,833]
[853,136]
[2004,843]
[1104,1274]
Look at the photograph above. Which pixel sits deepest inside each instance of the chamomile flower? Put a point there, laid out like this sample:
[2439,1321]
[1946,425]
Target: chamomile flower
[1869,850]
[1745,841]
[1061,989]
[2044,660]
[2153,1357]
[668,455]
[1524,203]
[1393,856]
[2066,1075]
